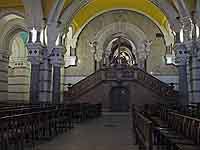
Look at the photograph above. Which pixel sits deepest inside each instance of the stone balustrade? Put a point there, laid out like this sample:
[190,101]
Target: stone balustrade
[122,74]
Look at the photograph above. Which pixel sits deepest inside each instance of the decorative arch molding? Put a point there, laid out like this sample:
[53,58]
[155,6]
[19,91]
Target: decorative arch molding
[6,12]
[168,37]
[168,10]
[11,29]
[114,30]
[127,44]
[72,10]
[69,13]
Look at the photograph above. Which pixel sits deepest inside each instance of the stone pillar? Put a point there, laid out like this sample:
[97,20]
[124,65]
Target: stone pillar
[141,63]
[45,78]
[106,60]
[34,56]
[194,69]
[192,44]
[56,84]
[34,83]
[188,28]
[57,60]
[181,61]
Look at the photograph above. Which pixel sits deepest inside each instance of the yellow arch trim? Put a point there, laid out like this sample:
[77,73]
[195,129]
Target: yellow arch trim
[145,7]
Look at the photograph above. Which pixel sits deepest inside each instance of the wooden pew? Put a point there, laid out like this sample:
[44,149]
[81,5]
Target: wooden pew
[143,130]
[24,109]
[176,131]
[27,128]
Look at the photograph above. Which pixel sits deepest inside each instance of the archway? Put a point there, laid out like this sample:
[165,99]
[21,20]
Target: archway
[119,99]
[122,53]
[17,69]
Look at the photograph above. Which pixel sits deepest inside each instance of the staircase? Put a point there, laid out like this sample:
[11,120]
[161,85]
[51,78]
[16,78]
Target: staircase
[132,74]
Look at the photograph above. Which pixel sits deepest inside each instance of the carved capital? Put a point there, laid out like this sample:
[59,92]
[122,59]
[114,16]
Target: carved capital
[198,43]
[181,54]
[57,56]
[177,26]
[197,49]
[188,28]
[188,45]
[187,23]
[35,52]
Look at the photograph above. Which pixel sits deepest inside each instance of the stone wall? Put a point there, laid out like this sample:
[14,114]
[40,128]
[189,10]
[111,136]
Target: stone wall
[3,76]
[155,63]
[18,84]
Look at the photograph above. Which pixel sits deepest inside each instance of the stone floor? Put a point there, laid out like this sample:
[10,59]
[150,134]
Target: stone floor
[110,132]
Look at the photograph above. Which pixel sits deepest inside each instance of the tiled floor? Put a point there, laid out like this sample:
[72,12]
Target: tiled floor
[110,132]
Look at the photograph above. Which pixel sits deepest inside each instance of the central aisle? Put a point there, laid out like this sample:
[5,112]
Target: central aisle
[110,132]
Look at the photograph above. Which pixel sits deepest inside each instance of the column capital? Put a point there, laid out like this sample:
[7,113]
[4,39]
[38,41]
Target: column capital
[35,52]
[57,56]
[193,48]
[177,26]
[188,28]
[197,49]
[198,43]
[181,54]
[187,23]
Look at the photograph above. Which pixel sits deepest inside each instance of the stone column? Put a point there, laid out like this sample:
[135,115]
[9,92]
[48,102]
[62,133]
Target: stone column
[144,52]
[181,61]
[56,84]
[188,26]
[141,63]
[57,60]
[194,68]
[34,56]
[192,44]
[45,78]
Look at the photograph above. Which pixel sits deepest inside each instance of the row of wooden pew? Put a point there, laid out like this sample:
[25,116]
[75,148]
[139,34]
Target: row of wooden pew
[192,110]
[26,125]
[162,128]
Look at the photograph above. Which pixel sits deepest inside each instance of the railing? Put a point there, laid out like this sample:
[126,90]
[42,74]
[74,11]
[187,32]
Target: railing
[121,74]
[142,127]
[174,130]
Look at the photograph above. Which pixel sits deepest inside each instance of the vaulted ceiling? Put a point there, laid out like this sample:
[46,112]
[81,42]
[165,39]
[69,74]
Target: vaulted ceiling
[96,7]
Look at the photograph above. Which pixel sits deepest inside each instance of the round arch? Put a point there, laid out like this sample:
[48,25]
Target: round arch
[77,10]
[125,30]
[15,12]
[13,27]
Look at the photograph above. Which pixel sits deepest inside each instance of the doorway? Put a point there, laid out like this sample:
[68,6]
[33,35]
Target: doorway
[119,99]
